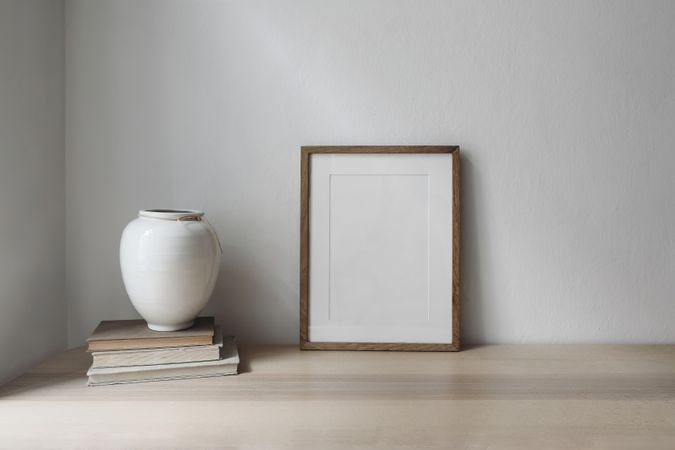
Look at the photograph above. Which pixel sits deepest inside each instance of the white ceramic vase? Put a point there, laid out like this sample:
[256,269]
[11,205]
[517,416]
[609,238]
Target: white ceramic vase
[170,260]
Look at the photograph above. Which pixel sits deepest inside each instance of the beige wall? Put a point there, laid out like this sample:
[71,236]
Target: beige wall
[32,225]
[564,111]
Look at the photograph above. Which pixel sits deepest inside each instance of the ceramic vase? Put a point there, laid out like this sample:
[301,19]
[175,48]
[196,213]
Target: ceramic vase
[170,261]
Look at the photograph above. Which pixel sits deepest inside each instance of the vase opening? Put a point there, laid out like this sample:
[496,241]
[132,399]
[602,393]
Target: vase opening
[169,214]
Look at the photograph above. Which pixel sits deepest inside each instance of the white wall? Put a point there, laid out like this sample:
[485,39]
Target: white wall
[32,226]
[565,112]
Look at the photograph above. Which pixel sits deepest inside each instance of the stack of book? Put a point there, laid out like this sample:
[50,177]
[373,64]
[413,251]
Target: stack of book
[127,351]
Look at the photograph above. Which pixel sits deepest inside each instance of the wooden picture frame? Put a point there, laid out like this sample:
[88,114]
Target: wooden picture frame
[307,155]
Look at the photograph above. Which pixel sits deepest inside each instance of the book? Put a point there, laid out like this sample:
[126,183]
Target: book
[226,365]
[155,356]
[135,334]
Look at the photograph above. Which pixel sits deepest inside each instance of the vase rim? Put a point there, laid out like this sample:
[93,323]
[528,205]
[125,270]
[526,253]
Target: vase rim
[169,214]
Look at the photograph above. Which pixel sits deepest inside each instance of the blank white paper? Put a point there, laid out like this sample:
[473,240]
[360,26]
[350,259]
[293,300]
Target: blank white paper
[380,248]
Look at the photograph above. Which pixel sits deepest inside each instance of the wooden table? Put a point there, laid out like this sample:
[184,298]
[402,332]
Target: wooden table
[515,397]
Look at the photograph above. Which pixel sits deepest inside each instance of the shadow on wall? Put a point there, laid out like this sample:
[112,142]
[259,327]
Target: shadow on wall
[472,296]
[250,302]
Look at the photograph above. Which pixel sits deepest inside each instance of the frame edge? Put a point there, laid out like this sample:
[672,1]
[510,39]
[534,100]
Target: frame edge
[305,344]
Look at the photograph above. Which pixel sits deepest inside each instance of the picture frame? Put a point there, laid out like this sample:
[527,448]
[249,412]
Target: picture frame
[380,248]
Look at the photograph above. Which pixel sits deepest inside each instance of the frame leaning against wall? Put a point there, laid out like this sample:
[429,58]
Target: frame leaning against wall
[305,217]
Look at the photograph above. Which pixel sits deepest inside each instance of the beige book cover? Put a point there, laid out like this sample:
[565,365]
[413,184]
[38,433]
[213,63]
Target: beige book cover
[165,355]
[135,334]
[226,365]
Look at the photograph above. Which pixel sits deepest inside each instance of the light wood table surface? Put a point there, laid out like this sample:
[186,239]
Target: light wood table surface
[496,397]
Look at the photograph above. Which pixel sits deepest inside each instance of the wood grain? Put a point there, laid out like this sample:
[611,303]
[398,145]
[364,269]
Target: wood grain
[304,246]
[456,222]
[306,150]
[305,168]
[497,397]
